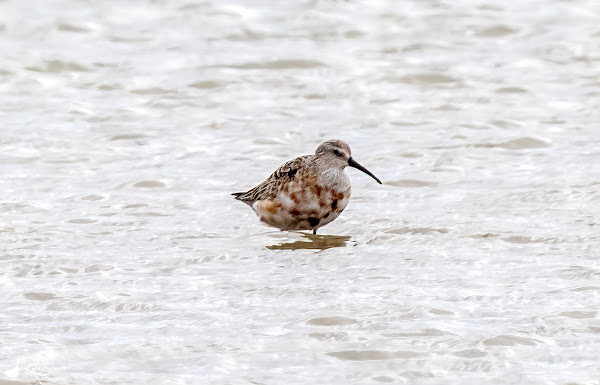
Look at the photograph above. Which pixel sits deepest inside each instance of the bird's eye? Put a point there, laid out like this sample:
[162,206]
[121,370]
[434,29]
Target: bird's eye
[337,153]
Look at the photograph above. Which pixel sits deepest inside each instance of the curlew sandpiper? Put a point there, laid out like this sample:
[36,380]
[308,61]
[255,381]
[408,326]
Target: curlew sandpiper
[308,192]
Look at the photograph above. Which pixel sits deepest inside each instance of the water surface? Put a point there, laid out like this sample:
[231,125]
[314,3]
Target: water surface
[125,126]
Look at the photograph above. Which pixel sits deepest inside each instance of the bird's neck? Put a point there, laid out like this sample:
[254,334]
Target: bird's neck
[334,178]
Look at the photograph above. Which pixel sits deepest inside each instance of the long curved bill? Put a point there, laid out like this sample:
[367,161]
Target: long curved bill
[355,164]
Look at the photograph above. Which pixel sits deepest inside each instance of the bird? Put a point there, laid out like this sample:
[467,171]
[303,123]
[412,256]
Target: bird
[308,192]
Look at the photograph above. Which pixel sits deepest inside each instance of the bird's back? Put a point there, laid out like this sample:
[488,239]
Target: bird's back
[271,187]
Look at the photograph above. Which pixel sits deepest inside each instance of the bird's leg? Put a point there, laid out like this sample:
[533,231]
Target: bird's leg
[315,231]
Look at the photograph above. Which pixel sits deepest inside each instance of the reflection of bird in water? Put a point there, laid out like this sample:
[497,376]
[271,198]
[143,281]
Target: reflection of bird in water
[14,372]
[317,242]
[308,192]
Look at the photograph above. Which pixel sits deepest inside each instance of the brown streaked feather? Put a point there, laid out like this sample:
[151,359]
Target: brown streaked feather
[275,182]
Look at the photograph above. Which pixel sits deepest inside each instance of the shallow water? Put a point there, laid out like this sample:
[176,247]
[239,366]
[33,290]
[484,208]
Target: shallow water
[125,126]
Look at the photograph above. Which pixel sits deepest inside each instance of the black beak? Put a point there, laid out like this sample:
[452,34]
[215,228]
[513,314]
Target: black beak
[353,163]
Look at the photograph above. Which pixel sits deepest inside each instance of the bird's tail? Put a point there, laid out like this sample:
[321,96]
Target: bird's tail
[238,195]
[243,197]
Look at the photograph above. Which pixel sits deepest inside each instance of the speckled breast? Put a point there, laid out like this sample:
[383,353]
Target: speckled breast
[303,206]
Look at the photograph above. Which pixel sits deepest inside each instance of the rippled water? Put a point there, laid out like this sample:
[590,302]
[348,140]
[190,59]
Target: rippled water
[125,126]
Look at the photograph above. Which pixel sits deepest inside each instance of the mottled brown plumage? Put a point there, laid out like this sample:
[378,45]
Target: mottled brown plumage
[274,183]
[305,193]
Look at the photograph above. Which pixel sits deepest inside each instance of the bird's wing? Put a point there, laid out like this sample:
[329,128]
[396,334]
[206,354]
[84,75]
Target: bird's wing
[274,183]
